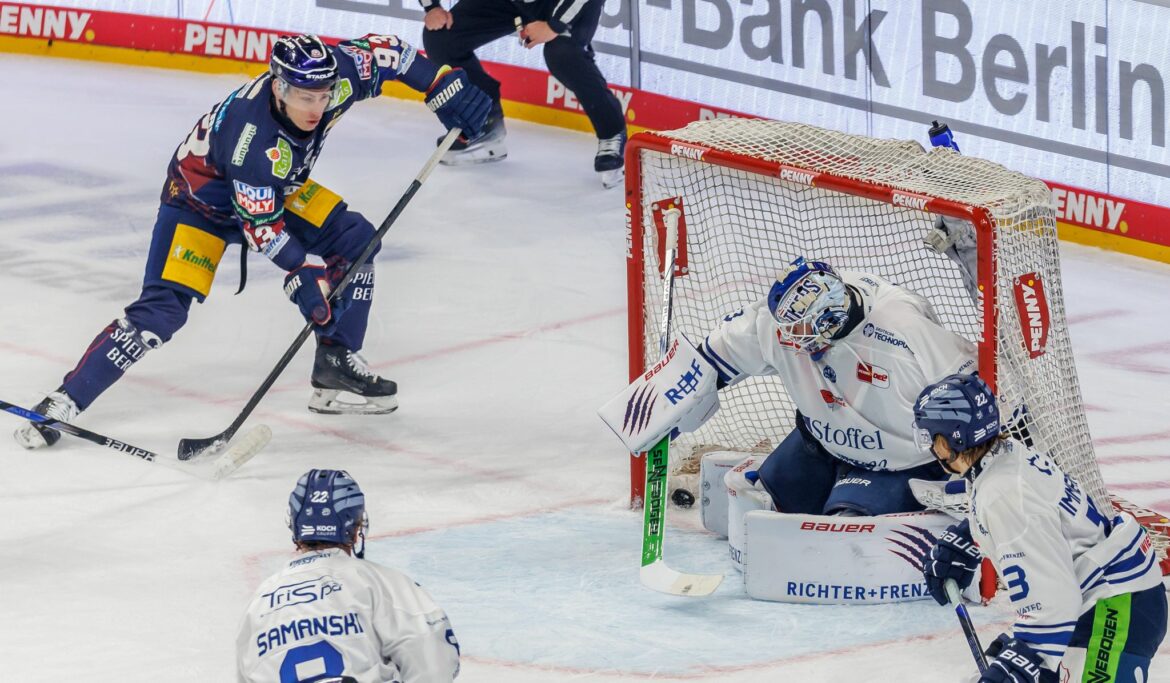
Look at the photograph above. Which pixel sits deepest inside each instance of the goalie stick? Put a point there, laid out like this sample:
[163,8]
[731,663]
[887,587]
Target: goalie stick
[654,573]
[189,448]
[229,462]
[956,599]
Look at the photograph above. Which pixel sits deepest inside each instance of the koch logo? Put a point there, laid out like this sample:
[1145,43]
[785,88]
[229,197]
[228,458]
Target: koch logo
[910,201]
[797,176]
[692,152]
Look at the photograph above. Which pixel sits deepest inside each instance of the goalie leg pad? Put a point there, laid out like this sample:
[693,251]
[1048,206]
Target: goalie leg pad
[712,468]
[744,495]
[838,560]
[873,493]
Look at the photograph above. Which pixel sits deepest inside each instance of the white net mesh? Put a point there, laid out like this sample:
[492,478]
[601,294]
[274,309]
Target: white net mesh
[742,228]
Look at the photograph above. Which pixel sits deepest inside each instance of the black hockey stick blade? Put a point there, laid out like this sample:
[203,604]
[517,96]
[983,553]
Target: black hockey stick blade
[190,448]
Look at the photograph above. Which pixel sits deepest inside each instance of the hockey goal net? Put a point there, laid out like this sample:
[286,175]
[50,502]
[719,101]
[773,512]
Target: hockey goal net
[755,194]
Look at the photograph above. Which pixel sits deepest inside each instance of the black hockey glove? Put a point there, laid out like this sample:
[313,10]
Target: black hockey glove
[308,287]
[954,556]
[1013,661]
[458,103]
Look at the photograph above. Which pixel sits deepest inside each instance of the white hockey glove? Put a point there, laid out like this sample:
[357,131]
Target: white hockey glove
[677,395]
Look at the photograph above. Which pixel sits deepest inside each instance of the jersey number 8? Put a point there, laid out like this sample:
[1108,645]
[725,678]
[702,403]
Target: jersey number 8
[308,662]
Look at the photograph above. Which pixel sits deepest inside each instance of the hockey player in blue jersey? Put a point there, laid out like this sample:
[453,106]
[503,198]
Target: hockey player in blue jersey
[242,177]
[1087,590]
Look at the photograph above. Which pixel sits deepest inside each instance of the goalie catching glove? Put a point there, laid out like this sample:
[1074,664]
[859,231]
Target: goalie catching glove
[677,395]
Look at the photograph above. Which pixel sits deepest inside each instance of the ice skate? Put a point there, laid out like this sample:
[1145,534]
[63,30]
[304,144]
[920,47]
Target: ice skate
[487,147]
[610,160]
[56,405]
[337,370]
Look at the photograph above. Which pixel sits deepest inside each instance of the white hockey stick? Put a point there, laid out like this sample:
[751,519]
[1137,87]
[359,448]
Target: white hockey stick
[654,573]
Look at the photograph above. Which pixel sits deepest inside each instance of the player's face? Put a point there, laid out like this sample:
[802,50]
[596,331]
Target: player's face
[947,456]
[305,108]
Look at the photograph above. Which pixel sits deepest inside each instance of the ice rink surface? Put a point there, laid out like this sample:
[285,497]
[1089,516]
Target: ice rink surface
[500,311]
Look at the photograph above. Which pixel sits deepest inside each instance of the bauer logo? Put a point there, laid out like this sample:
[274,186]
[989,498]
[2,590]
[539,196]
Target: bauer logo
[837,527]
[691,152]
[255,200]
[910,201]
[796,175]
[1032,307]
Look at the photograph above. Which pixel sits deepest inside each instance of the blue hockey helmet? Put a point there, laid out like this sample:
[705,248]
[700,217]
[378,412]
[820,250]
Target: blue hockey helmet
[325,507]
[810,305]
[961,409]
[304,62]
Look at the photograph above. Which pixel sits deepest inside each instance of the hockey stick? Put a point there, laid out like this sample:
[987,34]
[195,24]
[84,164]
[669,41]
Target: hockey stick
[654,573]
[229,462]
[956,599]
[189,448]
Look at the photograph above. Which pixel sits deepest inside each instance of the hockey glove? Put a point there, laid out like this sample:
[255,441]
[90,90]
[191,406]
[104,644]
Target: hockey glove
[1011,660]
[458,103]
[308,287]
[954,556]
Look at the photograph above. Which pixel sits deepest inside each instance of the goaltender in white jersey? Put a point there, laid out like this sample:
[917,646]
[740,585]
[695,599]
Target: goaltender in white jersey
[853,351]
[330,615]
[1084,581]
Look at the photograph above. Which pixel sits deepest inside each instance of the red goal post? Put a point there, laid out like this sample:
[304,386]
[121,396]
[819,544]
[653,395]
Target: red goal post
[755,194]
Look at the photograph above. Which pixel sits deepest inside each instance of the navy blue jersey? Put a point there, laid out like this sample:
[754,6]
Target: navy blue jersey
[239,162]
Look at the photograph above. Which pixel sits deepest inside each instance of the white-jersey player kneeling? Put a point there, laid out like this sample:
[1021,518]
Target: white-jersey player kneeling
[1088,593]
[853,351]
[332,616]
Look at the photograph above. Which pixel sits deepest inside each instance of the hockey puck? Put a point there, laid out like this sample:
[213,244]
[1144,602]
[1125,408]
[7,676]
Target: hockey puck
[682,498]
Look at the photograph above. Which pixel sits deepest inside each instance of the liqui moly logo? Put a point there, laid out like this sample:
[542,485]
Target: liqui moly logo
[873,374]
[686,151]
[910,201]
[1032,307]
[796,175]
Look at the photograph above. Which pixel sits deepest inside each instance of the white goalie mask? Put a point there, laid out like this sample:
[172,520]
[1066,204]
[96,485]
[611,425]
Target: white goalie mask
[810,304]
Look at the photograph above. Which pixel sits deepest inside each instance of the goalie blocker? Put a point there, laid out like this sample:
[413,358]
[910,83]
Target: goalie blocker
[678,394]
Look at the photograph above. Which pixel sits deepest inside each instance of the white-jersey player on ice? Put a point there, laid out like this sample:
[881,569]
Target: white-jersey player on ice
[332,616]
[1087,590]
[853,351]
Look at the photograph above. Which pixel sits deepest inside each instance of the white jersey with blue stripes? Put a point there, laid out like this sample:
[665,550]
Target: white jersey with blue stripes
[327,613]
[1056,551]
[858,398]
